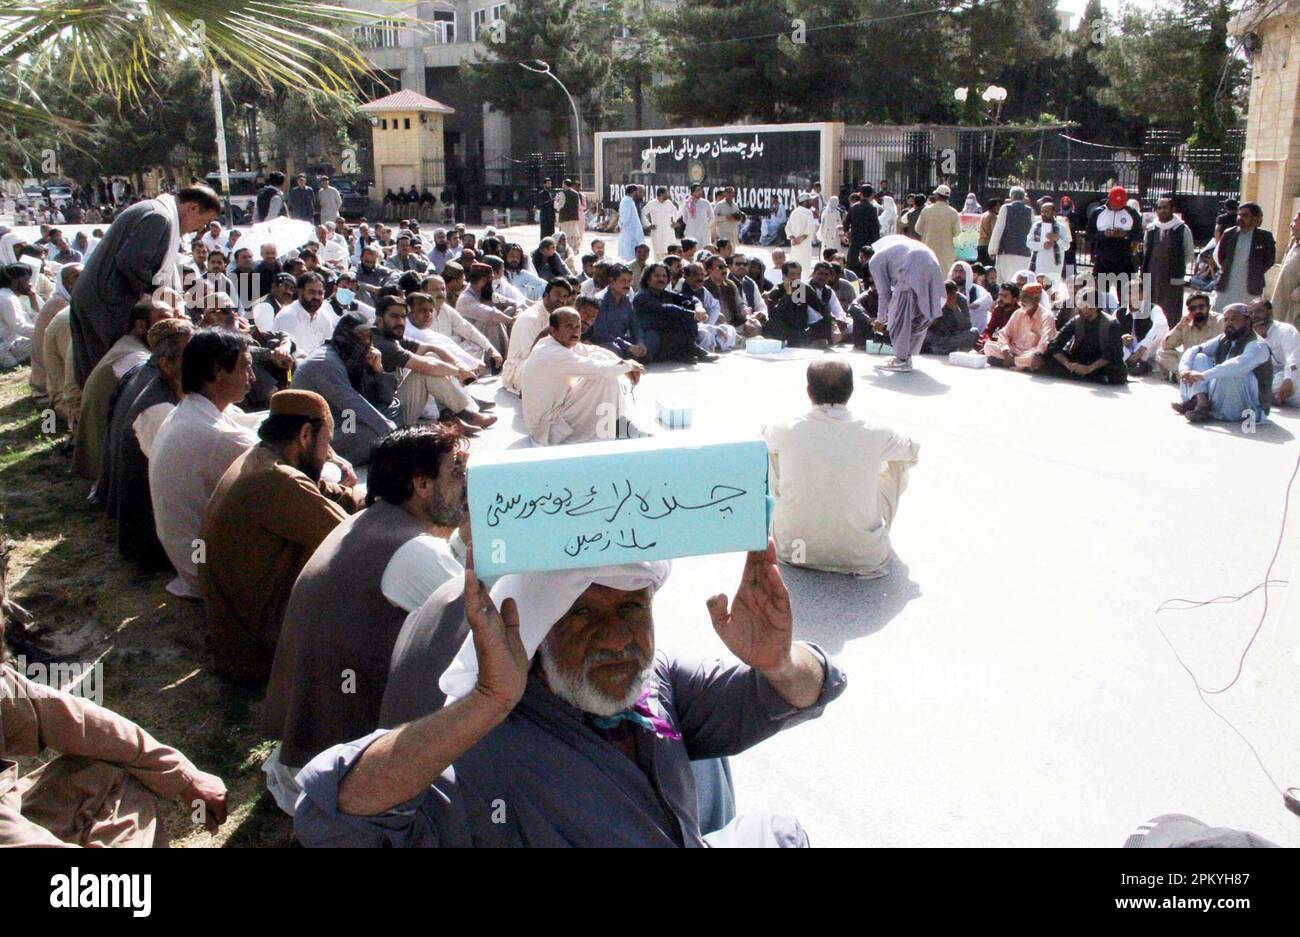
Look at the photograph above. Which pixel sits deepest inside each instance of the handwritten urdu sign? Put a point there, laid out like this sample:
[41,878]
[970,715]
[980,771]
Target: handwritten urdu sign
[594,504]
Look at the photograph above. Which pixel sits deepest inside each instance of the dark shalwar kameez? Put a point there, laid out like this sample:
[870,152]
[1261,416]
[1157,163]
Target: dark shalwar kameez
[1084,342]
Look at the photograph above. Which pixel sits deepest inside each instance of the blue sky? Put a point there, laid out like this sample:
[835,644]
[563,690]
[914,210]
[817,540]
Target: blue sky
[1075,7]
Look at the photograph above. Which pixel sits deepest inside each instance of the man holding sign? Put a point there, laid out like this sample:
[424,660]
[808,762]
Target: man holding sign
[569,728]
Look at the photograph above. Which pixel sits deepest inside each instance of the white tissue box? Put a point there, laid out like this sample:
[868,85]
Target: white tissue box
[968,359]
[674,414]
[762,346]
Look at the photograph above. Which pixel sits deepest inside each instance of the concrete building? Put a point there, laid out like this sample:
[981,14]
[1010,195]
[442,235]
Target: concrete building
[427,60]
[1270,171]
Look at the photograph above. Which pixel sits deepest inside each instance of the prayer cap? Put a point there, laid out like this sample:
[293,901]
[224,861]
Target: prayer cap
[1031,289]
[1117,198]
[1177,831]
[164,328]
[477,269]
[543,598]
[942,190]
[299,403]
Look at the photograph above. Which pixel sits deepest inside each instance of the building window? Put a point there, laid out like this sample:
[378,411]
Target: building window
[499,11]
[618,31]
[443,31]
[480,20]
[383,34]
[383,123]
[406,121]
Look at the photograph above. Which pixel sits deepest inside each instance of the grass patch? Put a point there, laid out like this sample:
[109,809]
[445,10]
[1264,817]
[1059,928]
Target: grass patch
[89,602]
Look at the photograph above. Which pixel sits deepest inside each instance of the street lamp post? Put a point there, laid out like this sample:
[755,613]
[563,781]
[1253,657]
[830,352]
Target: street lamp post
[961,95]
[993,94]
[543,68]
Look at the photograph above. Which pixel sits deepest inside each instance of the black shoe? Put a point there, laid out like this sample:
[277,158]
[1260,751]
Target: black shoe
[484,404]
[702,355]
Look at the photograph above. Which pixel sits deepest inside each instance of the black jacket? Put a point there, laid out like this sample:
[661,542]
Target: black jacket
[1263,253]
[864,223]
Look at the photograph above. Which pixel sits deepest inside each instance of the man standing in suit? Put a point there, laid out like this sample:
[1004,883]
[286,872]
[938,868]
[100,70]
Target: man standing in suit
[864,225]
[1244,255]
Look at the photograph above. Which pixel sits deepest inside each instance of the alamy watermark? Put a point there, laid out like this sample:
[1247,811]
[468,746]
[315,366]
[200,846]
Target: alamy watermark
[75,678]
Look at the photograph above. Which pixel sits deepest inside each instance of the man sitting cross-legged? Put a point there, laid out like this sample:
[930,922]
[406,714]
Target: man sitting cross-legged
[1021,343]
[528,325]
[1090,347]
[953,330]
[828,449]
[575,392]
[1230,377]
[669,320]
[797,314]
[427,376]
[616,328]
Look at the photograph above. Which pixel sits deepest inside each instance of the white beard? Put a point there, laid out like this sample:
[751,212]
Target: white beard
[579,692]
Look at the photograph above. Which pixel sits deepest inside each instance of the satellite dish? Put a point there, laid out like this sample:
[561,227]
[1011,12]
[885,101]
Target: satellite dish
[1252,43]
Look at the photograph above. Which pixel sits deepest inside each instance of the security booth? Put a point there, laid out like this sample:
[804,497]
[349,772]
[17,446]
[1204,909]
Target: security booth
[409,150]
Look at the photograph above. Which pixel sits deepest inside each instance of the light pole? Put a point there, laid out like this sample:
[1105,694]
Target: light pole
[543,68]
[960,95]
[222,163]
[993,94]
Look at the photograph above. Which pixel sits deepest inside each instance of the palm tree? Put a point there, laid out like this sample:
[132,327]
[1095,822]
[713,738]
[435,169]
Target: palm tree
[113,44]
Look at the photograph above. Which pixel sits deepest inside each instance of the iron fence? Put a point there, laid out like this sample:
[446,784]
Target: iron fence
[1045,158]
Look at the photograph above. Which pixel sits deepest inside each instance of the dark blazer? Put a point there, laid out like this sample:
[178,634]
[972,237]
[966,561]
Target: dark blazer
[1263,253]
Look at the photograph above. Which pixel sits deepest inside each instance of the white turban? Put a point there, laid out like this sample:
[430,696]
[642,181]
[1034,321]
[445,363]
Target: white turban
[7,244]
[542,599]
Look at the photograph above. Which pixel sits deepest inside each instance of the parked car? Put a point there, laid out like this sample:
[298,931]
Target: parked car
[356,202]
[59,195]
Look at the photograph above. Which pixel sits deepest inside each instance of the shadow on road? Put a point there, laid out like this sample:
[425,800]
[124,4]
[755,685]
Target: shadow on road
[832,609]
[916,384]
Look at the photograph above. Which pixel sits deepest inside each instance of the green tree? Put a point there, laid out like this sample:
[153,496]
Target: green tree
[860,61]
[577,41]
[117,46]
[1082,85]
[170,125]
[714,68]
[306,127]
[1172,67]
